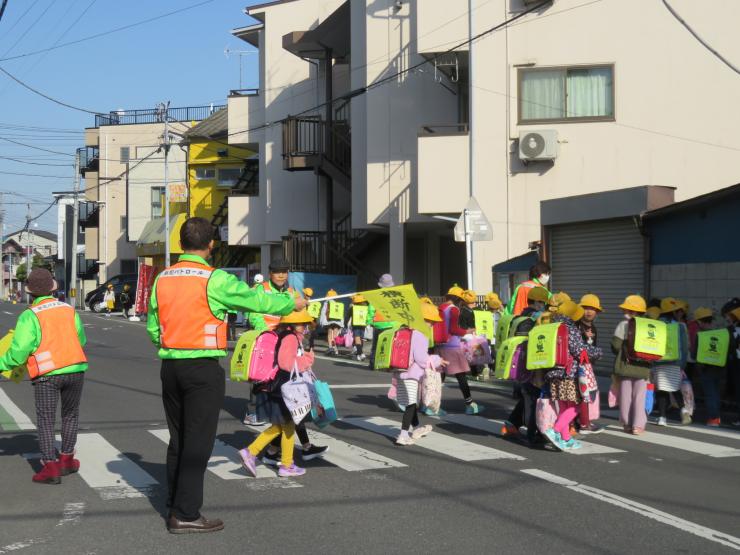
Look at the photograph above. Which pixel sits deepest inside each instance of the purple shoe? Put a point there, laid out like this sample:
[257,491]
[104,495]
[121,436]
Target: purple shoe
[249,461]
[291,470]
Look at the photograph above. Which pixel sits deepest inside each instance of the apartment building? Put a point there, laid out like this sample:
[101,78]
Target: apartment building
[124,182]
[365,111]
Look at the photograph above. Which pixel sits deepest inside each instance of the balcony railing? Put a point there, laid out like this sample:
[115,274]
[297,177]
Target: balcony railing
[307,137]
[89,214]
[153,115]
[244,92]
[89,158]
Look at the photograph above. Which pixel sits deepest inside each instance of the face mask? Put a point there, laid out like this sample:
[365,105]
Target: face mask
[544,279]
[628,316]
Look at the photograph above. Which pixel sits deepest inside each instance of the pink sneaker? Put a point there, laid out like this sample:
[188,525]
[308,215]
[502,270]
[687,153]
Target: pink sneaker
[249,461]
[292,470]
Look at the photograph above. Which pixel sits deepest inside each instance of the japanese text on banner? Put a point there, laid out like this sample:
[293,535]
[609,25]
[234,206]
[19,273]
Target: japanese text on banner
[399,304]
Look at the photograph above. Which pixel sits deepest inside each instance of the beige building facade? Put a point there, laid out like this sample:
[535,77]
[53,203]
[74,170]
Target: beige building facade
[572,98]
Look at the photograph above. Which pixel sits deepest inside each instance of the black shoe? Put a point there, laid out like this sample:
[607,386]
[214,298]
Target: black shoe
[271,459]
[313,452]
[202,525]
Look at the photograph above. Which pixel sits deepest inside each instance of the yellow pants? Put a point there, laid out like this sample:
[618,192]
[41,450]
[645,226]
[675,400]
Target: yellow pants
[286,442]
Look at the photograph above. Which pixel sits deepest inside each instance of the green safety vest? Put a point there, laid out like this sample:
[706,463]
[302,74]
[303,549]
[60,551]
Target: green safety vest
[650,337]
[336,311]
[505,356]
[713,347]
[484,323]
[672,345]
[502,330]
[542,347]
[314,310]
[359,315]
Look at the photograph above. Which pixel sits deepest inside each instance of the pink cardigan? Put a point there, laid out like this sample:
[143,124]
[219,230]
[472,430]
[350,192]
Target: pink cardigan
[288,355]
[420,357]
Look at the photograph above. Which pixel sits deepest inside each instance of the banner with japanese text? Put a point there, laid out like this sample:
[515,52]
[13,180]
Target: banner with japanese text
[144,288]
[399,304]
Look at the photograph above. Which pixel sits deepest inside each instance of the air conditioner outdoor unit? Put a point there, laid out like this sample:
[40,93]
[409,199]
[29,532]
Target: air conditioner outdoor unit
[538,145]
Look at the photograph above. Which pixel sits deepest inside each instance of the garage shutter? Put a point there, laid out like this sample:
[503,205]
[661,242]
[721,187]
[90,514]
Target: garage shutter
[605,258]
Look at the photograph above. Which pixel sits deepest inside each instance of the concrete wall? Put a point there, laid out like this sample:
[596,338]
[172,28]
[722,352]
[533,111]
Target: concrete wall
[701,284]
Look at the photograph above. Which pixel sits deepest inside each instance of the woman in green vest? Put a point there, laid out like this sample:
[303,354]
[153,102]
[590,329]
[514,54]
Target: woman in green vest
[360,315]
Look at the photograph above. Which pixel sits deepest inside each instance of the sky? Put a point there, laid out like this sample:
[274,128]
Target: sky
[178,58]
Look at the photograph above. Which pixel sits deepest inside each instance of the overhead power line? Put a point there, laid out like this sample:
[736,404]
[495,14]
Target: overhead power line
[109,32]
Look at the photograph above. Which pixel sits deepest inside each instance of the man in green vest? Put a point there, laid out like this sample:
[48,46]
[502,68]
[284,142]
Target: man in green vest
[276,283]
[379,323]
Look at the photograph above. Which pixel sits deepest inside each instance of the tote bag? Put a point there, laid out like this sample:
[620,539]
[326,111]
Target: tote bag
[296,394]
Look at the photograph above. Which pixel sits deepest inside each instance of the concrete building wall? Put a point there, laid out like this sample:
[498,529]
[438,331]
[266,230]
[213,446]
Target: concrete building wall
[700,284]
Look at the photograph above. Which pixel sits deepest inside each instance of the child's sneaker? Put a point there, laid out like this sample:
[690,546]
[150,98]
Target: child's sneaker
[662,421]
[252,420]
[554,437]
[714,422]
[474,408]
[509,430]
[249,461]
[271,459]
[290,471]
[405,440]
[571,444]
[313,452]
[685,417]
[430,412]
[420,432]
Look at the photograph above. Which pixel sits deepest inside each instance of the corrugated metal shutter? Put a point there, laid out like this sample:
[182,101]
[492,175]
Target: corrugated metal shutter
[605,258]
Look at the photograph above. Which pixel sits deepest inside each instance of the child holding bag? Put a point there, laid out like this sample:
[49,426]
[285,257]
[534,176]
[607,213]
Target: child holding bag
[408,380]
[270,404]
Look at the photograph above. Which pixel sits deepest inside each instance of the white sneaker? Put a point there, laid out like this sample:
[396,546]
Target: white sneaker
[252,420]
[685,417]
[408,440]
[421,431]
[662,421]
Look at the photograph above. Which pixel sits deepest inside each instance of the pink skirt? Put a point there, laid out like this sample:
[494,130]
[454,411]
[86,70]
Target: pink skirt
[458,364]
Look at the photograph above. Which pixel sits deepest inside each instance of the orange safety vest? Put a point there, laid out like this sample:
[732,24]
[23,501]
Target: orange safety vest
[60,346]
[522,301]
[271,320]
[185,317]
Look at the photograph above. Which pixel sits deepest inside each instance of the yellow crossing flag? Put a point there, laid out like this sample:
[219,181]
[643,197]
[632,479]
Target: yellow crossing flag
[16,374]
[399,304]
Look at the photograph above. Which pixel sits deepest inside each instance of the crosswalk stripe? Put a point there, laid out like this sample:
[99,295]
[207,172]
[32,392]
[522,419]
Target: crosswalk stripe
[676,442]
[439,443]
[350,457]
[225,461]
[494,427]
[110,472]
[12,418]
[696,428]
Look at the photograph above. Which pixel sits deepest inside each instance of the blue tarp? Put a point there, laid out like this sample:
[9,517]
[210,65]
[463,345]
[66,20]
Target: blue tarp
[321,283]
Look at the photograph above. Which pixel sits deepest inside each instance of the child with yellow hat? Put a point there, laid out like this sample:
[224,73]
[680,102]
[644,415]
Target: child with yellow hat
[667,376]
[408,381]
[360,316]
[270,404]
[332,319]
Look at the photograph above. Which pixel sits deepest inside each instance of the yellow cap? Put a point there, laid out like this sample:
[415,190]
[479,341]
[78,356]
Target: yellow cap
[359,299]
[591,301]
[538,294]
[703,312]
[331,293]
[298,317]
[684,305]
[735,314]
[308,292]
[493,301]
[468,296]
[559,298]
[668,305]
[635,303]
[653,313]
[571,310]
[456,291]
[430,312]
[425,300]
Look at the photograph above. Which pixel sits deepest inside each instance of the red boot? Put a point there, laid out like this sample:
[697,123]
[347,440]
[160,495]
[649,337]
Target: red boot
[68,464]
[49,474]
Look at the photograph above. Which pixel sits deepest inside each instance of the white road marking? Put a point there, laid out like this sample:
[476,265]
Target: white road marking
[17,546]
[697,428]
[361,386]
[350,457]
[225,461]
[645,510]
[439,443]
[21,421]
[6,312]
[693,446]
[110,472]
[72,514]
[494,427]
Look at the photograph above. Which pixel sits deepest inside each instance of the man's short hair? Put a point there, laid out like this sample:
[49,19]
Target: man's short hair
[196,234]
[538,269]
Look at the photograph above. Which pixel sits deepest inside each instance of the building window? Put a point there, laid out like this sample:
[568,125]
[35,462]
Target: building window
[124,223]
[157,202]
[228,177]
[129,266]
[205,173]
[125,154]
[566,94]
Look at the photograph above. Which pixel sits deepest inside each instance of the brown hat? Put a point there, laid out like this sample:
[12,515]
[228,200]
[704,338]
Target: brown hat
[40,282]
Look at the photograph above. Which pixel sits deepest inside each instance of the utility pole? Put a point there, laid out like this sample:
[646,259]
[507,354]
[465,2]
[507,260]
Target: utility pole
[72,285]
[164,109]
[471,145]
[28,252]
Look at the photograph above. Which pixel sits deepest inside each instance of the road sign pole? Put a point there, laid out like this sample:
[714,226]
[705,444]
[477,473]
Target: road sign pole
[468,249]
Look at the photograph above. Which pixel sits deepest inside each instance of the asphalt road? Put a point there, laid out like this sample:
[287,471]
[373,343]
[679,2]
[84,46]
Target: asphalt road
[464,489]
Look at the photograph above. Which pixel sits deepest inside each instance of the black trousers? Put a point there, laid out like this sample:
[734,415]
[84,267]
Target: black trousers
[192,394]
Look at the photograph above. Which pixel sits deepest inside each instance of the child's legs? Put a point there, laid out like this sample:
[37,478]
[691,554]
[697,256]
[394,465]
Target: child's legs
[410,417]
[711,394]
[583,418]
[287,444]
[625,400]
[262,440]
[568,412]
[71,392]
[664,401]
[639,416]
[462,381]
[46,395]
[300,430]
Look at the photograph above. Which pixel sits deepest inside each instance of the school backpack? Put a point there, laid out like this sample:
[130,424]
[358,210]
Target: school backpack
[502,330]
[383,348]
[673,342]
[508,358]
[548,347]
[441,330]
[646,340]
[255,357]
[393,351]
[484,323]
[713,347]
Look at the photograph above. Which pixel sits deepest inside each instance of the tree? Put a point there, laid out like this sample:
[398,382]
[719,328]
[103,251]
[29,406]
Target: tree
[21,273]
